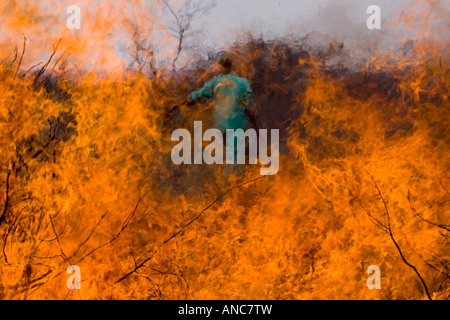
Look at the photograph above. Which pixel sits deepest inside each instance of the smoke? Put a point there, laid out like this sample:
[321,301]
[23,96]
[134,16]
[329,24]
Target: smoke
[107,38]
[323,22]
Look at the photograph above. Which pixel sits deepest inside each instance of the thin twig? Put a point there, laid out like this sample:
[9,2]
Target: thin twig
[9,231]
[21,57]
[374,220]
[393,238]
[32,67]
[124,226]
[15,56]
[88,237]
[136,268]
[442,226]
[7,197]
[54,66]
[44,67]
[57,240]
[443,186]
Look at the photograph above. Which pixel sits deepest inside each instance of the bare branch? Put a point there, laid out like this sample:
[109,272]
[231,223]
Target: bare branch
[443,186]
[15,56]
[183,19]
[442,226]
[393,239]
[11,227]
[374,220]
[54,66]
[88,237]
[5,209]
[26,72]
[21,57]
[142,264]
[55,48]
[57,240]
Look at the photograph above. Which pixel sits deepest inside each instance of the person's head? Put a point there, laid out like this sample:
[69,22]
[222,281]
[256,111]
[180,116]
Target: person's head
[226,65]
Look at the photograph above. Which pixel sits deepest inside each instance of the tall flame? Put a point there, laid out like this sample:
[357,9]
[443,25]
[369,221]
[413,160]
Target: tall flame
[86,177]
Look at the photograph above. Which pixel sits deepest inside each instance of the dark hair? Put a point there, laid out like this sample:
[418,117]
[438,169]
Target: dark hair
[226,63]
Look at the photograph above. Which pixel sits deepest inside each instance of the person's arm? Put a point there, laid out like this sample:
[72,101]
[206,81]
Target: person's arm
[205,92]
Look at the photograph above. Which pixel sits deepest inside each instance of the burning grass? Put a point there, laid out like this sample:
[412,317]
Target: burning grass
[86,179]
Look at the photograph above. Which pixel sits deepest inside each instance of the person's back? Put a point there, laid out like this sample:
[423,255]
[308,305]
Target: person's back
[228,91]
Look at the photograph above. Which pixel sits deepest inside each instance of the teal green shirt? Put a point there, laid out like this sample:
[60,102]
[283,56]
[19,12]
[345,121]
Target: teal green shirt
[227,91]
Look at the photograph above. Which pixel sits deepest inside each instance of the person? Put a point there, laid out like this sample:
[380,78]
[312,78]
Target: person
[231,95]
[233,101]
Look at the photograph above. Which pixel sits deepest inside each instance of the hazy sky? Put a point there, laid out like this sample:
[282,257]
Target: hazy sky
[343,20]
[276,17]
[105,36]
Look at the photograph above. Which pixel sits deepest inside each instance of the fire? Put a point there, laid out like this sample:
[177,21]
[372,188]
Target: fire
[86,176]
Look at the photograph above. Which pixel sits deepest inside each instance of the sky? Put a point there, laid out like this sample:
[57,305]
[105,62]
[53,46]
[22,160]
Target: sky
[343,20]
[105,35]
[275,17]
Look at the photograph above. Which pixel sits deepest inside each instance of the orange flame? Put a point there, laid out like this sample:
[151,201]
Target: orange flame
[86,177]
